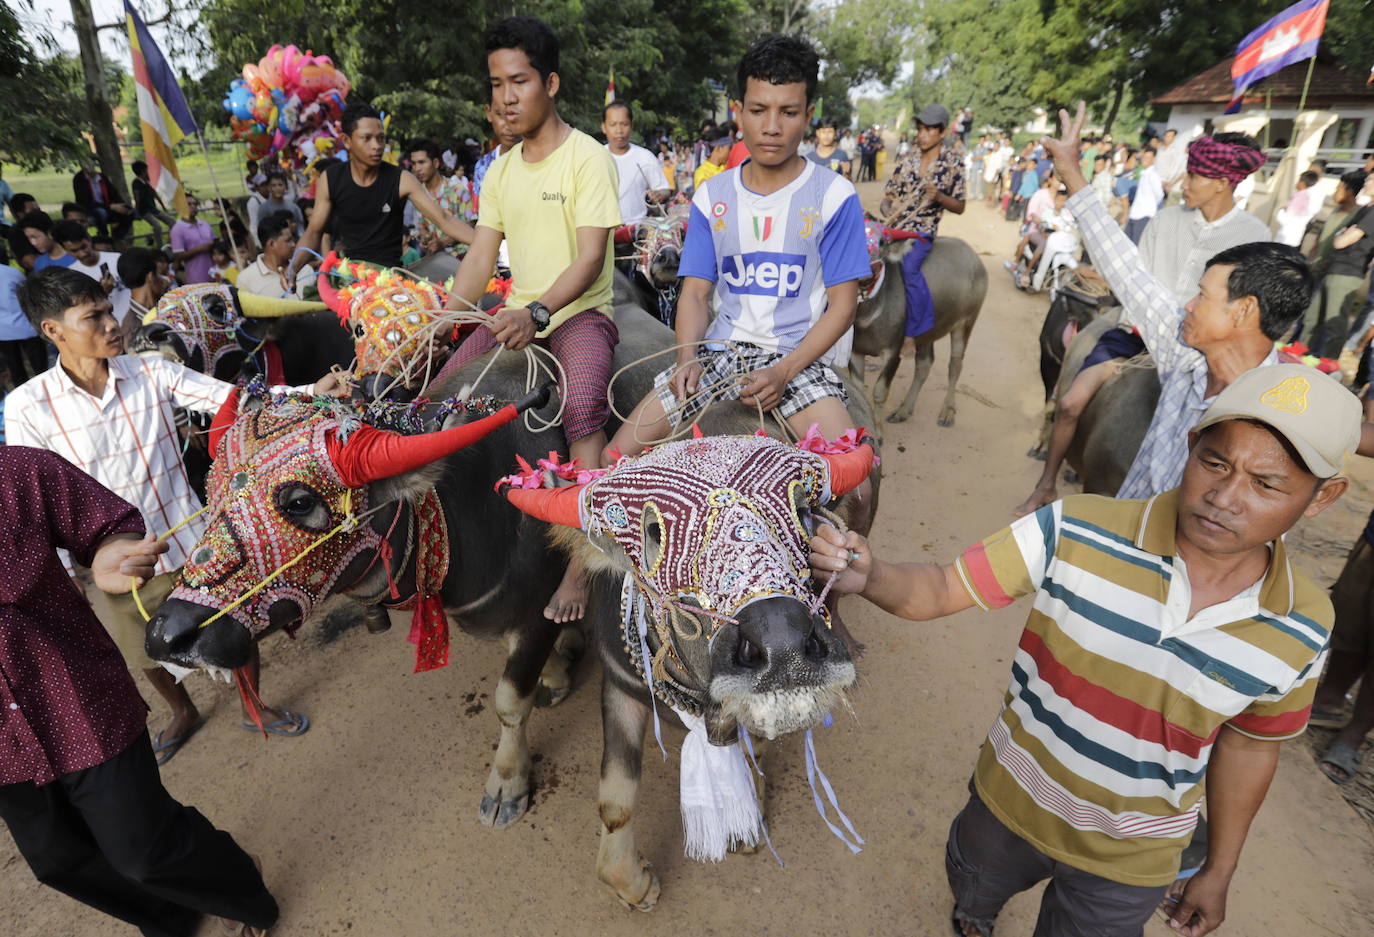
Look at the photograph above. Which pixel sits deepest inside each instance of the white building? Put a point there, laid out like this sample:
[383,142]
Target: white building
[1336,124]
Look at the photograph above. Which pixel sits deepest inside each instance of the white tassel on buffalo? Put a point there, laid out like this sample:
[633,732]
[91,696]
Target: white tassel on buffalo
[719,807]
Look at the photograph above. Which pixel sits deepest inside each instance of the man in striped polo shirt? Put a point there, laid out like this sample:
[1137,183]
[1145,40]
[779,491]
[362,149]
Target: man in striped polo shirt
[1170,639]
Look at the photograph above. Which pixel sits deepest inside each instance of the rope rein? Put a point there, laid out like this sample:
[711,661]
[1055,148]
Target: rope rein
[711,393]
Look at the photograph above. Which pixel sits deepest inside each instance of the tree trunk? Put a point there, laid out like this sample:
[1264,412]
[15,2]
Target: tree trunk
[1117,95]
[101,117]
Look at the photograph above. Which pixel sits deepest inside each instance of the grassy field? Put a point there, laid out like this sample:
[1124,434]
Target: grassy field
[52,188]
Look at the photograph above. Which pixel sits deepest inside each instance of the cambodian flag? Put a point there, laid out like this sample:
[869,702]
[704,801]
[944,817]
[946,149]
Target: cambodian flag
[1289,37]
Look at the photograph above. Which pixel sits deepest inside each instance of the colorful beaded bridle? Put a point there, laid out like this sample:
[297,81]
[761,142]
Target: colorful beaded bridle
[710,525]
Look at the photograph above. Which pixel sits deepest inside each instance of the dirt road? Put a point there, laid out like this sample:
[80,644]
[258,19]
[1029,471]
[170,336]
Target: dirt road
[367,825]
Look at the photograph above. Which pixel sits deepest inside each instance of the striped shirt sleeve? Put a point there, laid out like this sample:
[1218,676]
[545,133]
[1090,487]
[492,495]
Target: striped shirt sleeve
[1277,716]
[1012,562]
[188,388]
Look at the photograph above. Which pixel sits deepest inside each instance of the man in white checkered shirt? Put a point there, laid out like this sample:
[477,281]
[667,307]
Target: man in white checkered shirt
[110,415]
[1249,297]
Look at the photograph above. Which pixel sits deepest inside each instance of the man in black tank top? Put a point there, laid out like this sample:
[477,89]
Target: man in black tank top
[364,199]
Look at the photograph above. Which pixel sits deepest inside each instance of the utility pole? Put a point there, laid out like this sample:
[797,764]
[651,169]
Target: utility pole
[101,116]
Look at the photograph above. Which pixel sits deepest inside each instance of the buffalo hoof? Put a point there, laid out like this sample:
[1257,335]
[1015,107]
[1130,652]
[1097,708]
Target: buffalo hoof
[946,417]
[1072,477]
[899,416]
[547,696]
[501,814]
[1036,453]
[376,619]
[647,888]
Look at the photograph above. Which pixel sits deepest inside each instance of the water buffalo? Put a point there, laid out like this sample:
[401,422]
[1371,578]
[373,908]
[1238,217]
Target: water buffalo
[652,271]
[711,534]
[500,569]
[1113,424]
[1072,307]
[958,284]
[218,330]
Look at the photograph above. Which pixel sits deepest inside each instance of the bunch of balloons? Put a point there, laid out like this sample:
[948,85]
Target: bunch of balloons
[289,103]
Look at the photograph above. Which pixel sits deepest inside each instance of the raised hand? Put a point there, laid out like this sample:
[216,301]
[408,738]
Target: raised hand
[1063,150]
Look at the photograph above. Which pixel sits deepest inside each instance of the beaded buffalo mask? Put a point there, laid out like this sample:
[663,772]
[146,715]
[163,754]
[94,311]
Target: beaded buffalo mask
[209,320]
[391,315]
[205,316]
[267,455]
[716,520]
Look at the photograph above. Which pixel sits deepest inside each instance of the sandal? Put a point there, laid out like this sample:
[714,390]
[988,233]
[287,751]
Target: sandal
[1328,718]
[166,750]
[290,725]
[1340,763]
[955,922]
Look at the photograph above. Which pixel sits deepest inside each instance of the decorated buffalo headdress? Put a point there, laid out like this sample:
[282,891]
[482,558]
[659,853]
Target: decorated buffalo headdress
[877,237]
[391,315]
[208,318]
[710,525]
[260,547]
[713,521]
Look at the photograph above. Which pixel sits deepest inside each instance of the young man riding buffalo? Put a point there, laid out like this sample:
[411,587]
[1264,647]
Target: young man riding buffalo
[780,242]
[1170,641]
[554,200]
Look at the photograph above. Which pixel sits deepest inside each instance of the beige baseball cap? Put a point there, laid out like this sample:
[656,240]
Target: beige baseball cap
[1314,412]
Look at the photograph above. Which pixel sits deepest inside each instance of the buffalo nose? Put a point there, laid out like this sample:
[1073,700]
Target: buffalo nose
[167,632]
[774,631]
[371,386]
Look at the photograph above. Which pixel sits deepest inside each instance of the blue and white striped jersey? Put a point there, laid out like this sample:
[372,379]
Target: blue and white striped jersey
[773,256]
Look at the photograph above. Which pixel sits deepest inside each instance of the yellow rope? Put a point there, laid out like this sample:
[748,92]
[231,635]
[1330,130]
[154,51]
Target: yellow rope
[138,602]
[349,522]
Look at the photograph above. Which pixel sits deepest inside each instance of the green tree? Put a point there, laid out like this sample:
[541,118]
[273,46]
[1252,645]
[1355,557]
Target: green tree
[426,66]
[41,106]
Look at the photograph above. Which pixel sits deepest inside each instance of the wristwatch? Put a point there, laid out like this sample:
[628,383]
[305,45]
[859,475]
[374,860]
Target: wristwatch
[540,314]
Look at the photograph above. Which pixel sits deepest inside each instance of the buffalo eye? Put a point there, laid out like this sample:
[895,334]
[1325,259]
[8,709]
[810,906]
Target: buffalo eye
[299,505]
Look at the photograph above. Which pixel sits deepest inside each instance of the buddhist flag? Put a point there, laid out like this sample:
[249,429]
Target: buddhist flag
[1289,37]
[610,86]
[162,110]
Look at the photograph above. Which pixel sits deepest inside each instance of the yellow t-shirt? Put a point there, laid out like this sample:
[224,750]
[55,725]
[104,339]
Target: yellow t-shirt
[539,207]
[705,171]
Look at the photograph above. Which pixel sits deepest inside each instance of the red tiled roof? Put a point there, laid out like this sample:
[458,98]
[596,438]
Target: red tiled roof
[1330,83]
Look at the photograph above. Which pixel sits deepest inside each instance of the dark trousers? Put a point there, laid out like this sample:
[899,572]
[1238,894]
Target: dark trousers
[1135,227]
[920,306]
[22,351]
[113,838]
[988,863]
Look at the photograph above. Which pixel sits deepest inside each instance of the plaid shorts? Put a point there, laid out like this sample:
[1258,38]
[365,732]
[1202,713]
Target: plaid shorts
[813,384]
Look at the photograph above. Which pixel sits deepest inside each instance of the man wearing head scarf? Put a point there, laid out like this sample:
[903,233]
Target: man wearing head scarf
[1181,239]
[1175,249]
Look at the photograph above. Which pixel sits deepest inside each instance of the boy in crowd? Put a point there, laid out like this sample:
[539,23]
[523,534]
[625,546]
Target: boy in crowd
[780,241]
[266,276]
[38,227]
[640,173]
[716,157]
[101,266]
[554,201]
[21,249]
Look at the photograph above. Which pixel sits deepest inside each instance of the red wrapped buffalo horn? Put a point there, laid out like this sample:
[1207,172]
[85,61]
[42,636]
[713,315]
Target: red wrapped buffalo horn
[370,454]
[555,505]
[228,413]
[848,469]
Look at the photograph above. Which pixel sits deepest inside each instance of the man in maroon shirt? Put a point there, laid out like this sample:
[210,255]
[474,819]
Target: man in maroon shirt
[79,789]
